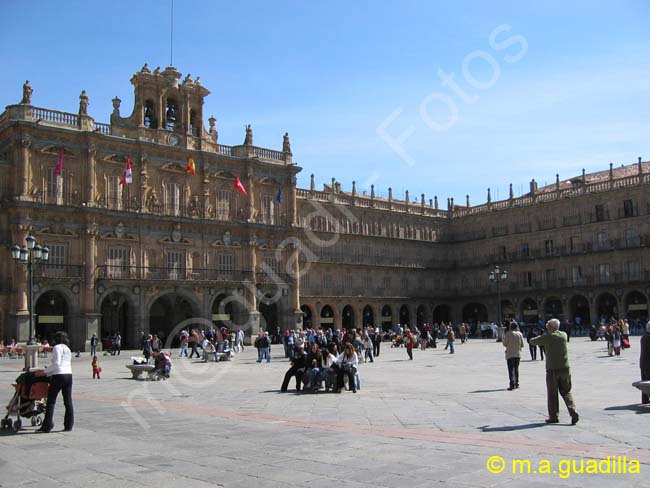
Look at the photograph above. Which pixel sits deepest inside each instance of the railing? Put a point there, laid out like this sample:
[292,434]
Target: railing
[103,128]
[54,116]
[117,272]
[224,150]
[49,270]
[271,154]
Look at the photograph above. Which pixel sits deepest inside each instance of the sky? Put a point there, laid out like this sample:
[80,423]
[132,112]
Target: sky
[440,98]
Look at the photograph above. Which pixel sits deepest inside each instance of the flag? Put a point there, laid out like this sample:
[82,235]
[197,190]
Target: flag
[278,198]
[191,167]
[59,166]
[127,176]
[239,187]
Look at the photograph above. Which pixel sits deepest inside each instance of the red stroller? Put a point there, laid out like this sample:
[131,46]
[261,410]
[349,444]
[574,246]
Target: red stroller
[28,401]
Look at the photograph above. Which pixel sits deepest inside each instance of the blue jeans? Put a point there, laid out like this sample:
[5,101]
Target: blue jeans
[183,350]
[260,353]
[267,354]
[314,377]
[451,347]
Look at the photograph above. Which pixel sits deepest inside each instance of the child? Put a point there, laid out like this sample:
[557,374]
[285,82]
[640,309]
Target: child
[96,368]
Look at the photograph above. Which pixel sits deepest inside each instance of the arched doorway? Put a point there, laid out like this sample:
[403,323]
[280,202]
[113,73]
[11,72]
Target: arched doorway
[348,317]
[222,311]
[579,311]
[165,313]
[386,318]
[307,319]
[51,312]
[404,316]
[368,316]
[636,306]
[420,316]
[269,318]
[474,313]
[508,310]
[326,317]
[553,309]
[606,307]
[115,318]
[441,314]
[529,311]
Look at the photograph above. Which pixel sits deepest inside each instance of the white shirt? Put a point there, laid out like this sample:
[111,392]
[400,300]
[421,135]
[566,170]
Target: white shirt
[61,361]
[343,359]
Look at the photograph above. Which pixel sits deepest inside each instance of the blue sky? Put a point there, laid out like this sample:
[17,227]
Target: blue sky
[548,87]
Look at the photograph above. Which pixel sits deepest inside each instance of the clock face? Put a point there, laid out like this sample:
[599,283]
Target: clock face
[173,140]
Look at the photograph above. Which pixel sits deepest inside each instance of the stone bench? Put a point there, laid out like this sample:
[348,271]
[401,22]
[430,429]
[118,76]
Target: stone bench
[222,356]
[644,386]
[138,369]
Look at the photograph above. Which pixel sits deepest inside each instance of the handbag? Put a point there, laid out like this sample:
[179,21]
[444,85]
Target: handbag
[625,343]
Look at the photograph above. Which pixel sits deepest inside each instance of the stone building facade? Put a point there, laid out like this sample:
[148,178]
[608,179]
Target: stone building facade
[180,244]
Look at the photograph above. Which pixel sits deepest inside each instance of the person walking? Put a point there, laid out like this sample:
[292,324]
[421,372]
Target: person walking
[96,368]
[513,341]
[531,334]
[644,361]
[184,337]
[558,371]
[93,345]
[410,343]
[60,374]
[193,342]
[451,337]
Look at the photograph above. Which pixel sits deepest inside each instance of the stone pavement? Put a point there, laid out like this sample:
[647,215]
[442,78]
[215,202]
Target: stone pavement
[433,421]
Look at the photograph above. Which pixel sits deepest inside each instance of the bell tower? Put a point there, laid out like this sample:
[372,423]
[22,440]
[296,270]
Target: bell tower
[164,105]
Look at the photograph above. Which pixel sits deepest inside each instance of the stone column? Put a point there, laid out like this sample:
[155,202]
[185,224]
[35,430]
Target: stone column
[294,292]
[23,169]
[19,316]
[251,200]
[250,290]
[88,297]
[90,177]
[293,207]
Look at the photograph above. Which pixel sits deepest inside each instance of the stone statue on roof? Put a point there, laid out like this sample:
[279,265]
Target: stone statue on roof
[286,144]
[27,94]
[83,103]
[248,140]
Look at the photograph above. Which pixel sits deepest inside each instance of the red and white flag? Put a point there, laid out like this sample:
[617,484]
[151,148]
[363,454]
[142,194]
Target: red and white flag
[127,176]
[239,187]
[59,166]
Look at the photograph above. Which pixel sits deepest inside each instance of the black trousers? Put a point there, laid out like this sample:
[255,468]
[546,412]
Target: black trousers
[533,352]
[59,383]
[409,351]
[513,371]
[376,347]
[292,371]
[645,376]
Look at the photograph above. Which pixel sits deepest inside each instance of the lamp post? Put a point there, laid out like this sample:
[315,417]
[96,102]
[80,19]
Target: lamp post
[27,256]
[497,275]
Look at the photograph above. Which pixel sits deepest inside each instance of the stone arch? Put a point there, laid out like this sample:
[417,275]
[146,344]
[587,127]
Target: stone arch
[167,309]
[474,313]
[579,310]
[116,309]
[52,310]
[606,306]
[347,317]
[386,317]
[307,316]
[368,316]
[529,313]
[421,315]
[508,310]
[327,317]
[441,313]
[636,305]
[404,315]
[553,308]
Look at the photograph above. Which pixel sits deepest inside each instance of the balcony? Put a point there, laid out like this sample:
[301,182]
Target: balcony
[58,271]
[149,273]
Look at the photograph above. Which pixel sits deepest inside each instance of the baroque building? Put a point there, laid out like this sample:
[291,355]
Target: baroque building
[203,233]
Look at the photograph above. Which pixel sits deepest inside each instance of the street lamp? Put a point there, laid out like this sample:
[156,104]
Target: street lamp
[28,255]
[497,275]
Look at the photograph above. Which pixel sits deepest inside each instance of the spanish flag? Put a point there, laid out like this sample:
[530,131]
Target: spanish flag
[191,167]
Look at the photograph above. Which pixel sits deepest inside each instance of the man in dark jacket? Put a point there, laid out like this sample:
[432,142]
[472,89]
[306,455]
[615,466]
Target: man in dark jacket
[644,361]
[297,368]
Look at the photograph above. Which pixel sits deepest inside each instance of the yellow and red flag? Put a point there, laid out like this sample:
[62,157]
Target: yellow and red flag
[191,167]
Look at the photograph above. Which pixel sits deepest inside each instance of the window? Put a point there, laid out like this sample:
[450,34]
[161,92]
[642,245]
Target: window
[225,265]
[173,199]
[114,193]
[502,252]
[269,209]
[600,213]
[176,265]
[170,115]
[387,283]
[405,283]
[149,115]
[223,205]
[632,238]
[603,273]
[527,279]
[575,245]
[628,208]
[270,265]
[327,282]
[549,276]
[55,266]
[548,247]
[347,283]
[602,241]
[54,188]
[117,264]
[576,275]
[632,270]
[525,252]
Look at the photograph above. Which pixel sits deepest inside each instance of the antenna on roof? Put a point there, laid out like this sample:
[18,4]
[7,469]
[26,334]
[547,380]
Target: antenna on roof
[171,38]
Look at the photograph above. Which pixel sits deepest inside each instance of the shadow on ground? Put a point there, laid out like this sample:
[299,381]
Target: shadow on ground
[636,407]
[508,428]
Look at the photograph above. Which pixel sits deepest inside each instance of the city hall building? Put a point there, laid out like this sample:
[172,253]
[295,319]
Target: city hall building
[151,224]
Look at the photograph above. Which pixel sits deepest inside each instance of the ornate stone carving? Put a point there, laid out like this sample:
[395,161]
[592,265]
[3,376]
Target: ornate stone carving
[27,94]
[120,230]
[248,139]
[83,103]
[286,144]
[176,233]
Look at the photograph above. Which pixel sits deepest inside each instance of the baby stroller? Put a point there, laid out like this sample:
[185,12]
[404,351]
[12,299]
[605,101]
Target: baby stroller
[28,401]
